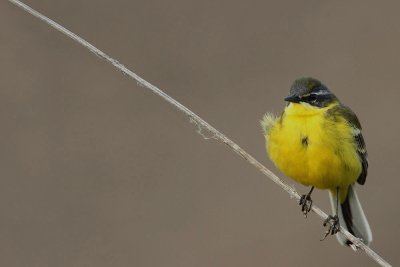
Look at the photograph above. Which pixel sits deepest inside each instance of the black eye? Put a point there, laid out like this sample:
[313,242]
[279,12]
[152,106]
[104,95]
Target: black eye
[312,98]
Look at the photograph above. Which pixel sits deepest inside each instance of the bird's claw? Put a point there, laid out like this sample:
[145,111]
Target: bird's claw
[306,204]
[334,225]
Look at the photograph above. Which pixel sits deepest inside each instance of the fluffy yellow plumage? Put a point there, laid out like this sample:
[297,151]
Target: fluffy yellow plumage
[312,149]
[317,141]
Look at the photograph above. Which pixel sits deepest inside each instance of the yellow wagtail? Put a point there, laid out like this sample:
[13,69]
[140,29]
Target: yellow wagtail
[317,141]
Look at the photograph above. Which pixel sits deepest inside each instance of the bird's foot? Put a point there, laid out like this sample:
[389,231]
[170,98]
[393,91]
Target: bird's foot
[334,225]
[306,204]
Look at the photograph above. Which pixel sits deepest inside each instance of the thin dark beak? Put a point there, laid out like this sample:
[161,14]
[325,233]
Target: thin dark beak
[293,99]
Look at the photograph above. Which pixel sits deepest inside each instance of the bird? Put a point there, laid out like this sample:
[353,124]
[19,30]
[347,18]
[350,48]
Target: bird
[317,141]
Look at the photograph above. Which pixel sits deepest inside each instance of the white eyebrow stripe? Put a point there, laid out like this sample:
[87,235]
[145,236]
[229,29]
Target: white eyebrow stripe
[322,92]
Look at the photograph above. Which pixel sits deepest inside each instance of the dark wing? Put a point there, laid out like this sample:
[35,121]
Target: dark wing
[362,152]
[352,120]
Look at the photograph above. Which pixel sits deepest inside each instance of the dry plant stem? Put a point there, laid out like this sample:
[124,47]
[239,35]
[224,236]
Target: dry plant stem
[200,123]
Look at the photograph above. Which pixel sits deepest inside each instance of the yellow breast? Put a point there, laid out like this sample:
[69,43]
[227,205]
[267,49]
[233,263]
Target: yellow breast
[313,149]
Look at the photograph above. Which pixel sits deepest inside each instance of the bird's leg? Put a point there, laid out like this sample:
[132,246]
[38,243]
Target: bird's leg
[306,202]
[333,221]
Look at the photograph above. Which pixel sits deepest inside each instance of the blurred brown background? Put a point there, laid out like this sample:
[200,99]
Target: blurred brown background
[97,171]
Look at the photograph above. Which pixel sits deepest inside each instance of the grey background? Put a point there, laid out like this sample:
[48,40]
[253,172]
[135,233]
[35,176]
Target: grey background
[97,171]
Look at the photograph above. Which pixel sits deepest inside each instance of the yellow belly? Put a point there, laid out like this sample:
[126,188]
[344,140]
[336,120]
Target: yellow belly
[312,150]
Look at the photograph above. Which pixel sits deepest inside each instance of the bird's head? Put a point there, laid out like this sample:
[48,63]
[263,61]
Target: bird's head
[310,91]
